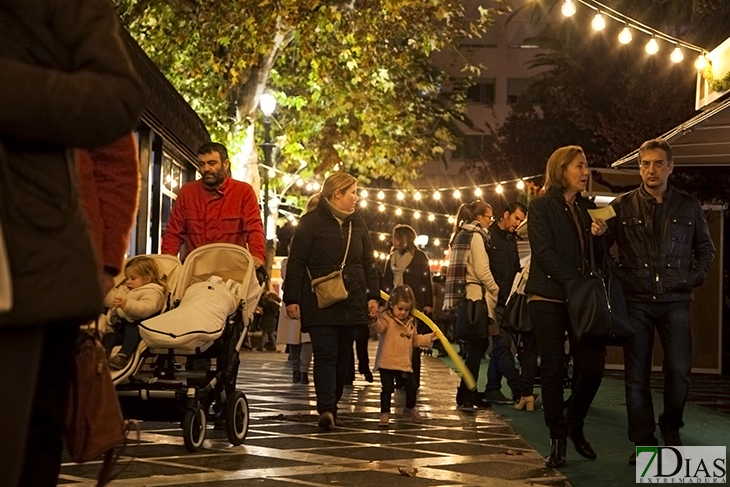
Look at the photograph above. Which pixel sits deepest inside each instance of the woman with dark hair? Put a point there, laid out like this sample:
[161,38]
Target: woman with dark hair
[408,265]
[559,230]
[469,278]
[324,237]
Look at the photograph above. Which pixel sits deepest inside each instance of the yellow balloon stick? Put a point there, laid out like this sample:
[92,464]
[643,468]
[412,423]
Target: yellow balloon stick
[460,365]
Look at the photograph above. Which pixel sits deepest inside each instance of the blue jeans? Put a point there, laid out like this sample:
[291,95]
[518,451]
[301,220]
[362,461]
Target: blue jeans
[671,320]
[502,363]
[332,348]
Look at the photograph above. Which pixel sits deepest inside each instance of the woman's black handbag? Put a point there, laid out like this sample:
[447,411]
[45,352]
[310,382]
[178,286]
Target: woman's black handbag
[516,316]
[472,319]
[597,306]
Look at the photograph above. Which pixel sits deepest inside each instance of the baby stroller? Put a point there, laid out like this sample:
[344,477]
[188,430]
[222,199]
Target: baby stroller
[187,364]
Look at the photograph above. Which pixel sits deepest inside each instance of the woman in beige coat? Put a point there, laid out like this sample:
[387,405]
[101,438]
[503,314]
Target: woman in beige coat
[397,336]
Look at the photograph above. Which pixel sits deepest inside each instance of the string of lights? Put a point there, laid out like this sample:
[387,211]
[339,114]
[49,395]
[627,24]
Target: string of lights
[568,9]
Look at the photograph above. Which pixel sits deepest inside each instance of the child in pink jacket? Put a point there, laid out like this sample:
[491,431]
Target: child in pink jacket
[397,337]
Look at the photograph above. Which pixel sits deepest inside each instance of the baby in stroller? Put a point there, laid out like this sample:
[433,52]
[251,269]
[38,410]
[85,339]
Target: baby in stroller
[142,297]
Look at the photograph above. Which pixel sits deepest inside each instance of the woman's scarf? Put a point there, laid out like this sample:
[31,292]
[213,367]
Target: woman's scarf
[340,215]
[455,285]
[399,262]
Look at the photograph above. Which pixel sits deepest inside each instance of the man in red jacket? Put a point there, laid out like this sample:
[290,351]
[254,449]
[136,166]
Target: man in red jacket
[215,208]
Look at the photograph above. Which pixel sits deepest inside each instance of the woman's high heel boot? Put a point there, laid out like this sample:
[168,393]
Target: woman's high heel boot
[526,402]
[558,449]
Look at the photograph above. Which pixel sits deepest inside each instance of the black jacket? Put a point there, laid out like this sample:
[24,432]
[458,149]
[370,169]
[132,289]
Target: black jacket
[417,275]
[504,260]
[686,247]
[556,255]
[319,245]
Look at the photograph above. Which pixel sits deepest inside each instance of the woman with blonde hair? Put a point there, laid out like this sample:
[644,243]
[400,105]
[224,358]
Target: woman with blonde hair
[332,234]
[559,233]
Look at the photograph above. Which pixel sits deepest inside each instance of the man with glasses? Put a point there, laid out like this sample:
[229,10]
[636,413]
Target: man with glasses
[664,252]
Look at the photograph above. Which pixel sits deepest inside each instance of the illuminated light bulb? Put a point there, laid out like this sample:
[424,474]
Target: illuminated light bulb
[295,222]
[478,191]
[599,22]
[677,55]
[446,252]
[652,47]
[417,215]
[446,263]
[442,263]
[382,256]
[452,219]
[316,186]
[363,203]
[381,195]
[437,242]
[168,179]
[457,194]
[499,189]
[701,62]
[377,254]
[417,195]
[286,178]
[568,8]
[364,193]
[400,195]
[431,217]
[272,173]
[398,211]
[300,182]
[381,207]
[625,36]
[431,263]
[337,167]
[436,195]
[382,237]
[173,184]
[309,186]
[520,184]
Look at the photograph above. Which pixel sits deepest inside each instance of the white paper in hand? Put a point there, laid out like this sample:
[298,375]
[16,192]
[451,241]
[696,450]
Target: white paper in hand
[605,213]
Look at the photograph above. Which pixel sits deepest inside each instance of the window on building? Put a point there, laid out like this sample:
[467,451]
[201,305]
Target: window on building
[482,91]
[470,148]
[515,88]
[172,178]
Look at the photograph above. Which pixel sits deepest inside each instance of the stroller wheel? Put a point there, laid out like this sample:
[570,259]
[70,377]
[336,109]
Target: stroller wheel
[236,417]
[194,429]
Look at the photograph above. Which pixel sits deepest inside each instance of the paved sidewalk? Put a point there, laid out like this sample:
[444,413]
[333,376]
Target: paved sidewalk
[284,446]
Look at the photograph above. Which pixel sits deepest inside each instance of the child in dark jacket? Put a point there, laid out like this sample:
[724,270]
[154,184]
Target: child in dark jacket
[269,318]
[397,336]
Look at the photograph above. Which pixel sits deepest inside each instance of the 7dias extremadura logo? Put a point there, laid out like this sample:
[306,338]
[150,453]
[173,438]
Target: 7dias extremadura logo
[681,465]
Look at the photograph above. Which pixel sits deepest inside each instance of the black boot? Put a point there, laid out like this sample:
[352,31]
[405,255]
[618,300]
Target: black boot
[581,444]
[558,448]
[305,378]
[296,376]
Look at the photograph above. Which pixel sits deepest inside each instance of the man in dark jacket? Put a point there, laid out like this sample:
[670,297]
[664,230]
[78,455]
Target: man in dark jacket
[664,251]
[504,262]
[215,208]
[67,82]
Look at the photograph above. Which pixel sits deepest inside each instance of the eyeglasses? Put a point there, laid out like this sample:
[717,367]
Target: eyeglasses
[488,217]
[656,164]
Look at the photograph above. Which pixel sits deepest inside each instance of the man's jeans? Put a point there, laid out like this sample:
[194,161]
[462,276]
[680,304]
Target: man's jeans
[671,321]
[332,347]
[502,364]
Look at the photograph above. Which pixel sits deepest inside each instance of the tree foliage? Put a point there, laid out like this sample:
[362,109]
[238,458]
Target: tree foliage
[353,79]
[599,94]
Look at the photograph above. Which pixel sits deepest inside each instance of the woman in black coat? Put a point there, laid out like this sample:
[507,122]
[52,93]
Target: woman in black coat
[408,265]
[317,249]
[559,232]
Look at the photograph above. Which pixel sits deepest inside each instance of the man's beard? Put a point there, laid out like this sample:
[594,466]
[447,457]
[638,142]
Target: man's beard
[215,181]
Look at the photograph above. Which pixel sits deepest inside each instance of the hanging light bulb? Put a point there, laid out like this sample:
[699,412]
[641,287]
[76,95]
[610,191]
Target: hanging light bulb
[364,193]
[625,36]
[400,195]
[382,237]
[272,173]
[701,62]
[499,189]
[452,219]
[437,242]
[363,203]
[309,186]
[568,8]
[295,222]
[377,254]
[417,215]
[478,191]
[457,194]
[300,183]
[381,195]
[652,47]
[417,195]
[599,22]
[382,256]
[431,217]
[398,211]
[381,207]
[520,184]
[286,178]
[677,55]
[436,195]
[316,186]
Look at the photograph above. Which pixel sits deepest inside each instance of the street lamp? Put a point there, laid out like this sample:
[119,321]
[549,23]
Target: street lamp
[267,103]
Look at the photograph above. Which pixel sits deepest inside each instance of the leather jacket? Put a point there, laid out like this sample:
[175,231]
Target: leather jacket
[669,272]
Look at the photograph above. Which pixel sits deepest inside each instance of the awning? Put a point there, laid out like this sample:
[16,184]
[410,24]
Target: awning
[703,140]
